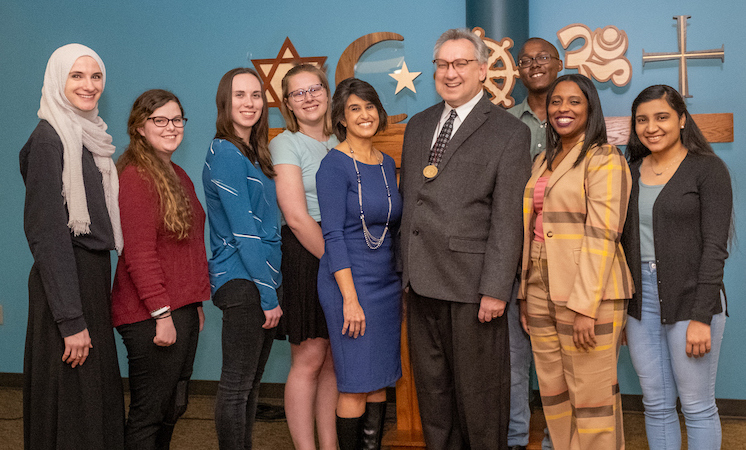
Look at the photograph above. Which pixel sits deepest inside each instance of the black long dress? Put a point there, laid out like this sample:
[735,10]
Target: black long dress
[69,290]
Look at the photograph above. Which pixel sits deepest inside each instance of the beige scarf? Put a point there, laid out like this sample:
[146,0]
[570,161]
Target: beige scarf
[76,129]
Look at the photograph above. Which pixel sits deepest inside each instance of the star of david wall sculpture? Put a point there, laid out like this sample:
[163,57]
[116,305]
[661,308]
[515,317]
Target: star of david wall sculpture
[273,70]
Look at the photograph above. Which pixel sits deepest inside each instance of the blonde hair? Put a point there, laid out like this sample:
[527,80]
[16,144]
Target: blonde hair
[291,122]
[176,209]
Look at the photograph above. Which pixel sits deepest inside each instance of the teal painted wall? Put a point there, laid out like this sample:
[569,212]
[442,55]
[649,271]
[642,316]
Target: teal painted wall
[186,47]
[716,88]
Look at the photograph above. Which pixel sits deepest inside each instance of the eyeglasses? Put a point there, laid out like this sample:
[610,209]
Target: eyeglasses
[162,122]
[300,94]
[458,64]
[526,61]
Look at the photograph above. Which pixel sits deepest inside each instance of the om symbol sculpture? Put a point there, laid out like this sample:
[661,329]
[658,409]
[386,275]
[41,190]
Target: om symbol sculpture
[602,55]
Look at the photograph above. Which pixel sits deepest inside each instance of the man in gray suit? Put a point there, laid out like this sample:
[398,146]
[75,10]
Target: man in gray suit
[465,163]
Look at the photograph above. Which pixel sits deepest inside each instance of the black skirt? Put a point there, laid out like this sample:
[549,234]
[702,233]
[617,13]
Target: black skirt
[66,408]
[302,316]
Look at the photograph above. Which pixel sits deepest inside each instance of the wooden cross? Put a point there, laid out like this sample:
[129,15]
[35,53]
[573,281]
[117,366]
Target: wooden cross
[683,55]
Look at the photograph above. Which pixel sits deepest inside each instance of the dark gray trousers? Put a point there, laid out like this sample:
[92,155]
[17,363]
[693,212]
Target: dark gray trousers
[462,374]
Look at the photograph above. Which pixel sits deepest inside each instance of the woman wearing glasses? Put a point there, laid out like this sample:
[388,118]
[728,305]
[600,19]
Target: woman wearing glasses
[359,288]
[238,178]
[72,396]
[311,388]
[161,279]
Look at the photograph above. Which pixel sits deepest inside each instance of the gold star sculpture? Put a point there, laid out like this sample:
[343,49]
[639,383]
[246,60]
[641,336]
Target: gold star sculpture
[404,78]
[273,70]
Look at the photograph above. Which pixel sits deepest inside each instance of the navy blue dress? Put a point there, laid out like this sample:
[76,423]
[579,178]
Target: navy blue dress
[372,361]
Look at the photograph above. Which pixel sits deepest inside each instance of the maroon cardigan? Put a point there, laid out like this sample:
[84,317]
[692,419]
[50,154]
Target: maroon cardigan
[155,269]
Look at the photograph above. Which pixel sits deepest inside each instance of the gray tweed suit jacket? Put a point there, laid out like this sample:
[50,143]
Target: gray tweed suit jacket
[461,231]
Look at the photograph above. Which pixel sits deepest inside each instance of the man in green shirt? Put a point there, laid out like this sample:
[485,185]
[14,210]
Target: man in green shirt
[538,66]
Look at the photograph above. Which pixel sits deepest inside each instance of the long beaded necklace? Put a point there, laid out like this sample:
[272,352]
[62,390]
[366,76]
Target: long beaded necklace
[370,240]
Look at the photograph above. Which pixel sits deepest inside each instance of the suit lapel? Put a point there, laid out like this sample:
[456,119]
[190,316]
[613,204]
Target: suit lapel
[474,120]
[426,138]
[564,166]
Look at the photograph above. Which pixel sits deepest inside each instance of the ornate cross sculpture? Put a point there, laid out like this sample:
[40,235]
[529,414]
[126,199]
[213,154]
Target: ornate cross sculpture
[683,55]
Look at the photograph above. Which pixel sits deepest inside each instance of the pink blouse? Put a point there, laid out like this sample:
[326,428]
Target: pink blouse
[539,188]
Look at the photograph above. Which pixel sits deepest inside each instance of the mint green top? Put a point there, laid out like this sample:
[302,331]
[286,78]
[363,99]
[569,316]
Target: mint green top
[305,152]
[646,200]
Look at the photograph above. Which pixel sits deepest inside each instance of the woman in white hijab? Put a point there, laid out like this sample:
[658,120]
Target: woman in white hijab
[72,394]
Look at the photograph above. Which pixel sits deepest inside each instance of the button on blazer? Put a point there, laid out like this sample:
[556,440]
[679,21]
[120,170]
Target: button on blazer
[585,207]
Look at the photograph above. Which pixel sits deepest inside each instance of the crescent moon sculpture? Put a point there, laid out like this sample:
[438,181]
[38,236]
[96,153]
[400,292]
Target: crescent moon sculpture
[351,55]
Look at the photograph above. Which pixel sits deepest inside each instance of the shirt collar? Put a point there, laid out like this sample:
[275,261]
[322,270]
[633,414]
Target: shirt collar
[463,110]
[523,108]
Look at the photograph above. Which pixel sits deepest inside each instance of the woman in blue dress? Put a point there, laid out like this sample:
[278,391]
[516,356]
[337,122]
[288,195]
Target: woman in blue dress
[359,289]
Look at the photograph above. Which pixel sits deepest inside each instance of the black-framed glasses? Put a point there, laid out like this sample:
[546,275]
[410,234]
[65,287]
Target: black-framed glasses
[542,60]
[162,122]
[458,64]
[299,95]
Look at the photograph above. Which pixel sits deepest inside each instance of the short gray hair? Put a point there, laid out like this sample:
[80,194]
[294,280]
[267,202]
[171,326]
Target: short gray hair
[481,51]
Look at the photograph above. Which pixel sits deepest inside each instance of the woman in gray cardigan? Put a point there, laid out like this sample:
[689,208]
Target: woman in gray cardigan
[675,239]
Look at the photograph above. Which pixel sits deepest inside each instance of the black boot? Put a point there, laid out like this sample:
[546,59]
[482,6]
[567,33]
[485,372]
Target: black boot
[348,432]
[375,414]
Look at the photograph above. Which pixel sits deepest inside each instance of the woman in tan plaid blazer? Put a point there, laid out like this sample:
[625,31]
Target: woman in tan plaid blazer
[574,278]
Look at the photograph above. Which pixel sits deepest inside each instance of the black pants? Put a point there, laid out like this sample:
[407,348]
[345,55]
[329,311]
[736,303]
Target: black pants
[461,372]
[159,378]
[246,347]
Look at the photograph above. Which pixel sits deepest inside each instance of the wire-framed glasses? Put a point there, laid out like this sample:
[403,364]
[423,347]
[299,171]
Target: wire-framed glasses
[299,95]
[162,122]
[541,60]
[458,64]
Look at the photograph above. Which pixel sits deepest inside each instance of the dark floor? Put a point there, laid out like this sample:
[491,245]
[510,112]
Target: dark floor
[196,429]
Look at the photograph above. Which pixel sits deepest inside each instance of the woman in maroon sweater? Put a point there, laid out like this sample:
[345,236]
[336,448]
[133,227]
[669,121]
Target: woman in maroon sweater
[162,277]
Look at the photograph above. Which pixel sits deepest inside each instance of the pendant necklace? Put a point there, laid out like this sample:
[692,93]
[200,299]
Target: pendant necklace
[324,143]
[370,240]
[657,174]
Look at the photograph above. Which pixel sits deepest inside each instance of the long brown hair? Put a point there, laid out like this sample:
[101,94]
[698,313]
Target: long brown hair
[257,149]
[176,209]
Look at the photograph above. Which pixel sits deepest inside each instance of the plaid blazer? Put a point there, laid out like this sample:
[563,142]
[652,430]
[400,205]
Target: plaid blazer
[584,212]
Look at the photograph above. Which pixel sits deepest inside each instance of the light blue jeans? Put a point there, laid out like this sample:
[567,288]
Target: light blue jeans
[520,371]
[658,353]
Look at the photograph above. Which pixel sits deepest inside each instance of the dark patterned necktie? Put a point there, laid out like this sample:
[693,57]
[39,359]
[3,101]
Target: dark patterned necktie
[436,154]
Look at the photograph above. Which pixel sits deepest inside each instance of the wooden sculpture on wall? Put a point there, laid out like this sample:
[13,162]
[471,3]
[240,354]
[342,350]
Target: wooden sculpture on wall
[353,52]
[274,69]
[602,55]
[502,70]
